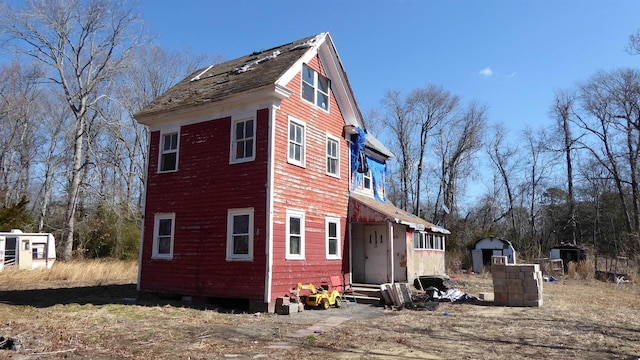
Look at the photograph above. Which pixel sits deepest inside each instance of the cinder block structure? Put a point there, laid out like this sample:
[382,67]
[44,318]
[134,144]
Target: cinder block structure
[516,285]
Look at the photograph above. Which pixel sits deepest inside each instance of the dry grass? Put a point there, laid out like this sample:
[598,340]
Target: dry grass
[87,271]
[580,319]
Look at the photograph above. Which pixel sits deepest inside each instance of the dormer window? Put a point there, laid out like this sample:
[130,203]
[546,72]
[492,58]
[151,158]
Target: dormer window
[366,180]
[315,87]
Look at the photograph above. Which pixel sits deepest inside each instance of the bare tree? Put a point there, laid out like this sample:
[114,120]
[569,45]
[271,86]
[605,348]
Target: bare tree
[81,44]
[399,119]
[563,111]
[432,105]
[503,157]
[18,107]
[611,102]
[457,142]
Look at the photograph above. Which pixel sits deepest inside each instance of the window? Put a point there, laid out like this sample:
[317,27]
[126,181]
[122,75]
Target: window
[240,234]
[243,141]
[333,157]
[427,241]
[26,245]
[366,182]
[333,239]
[315,87]
[163,236]
[295,235]
[296,142]
[169,152]
[37,251]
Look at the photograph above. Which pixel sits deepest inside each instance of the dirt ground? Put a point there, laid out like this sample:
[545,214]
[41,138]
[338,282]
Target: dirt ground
[580,319]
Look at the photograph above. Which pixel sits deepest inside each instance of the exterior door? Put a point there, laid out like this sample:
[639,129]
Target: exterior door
[376,248]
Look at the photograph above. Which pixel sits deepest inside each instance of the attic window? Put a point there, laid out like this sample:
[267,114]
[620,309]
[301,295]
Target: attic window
[315,87]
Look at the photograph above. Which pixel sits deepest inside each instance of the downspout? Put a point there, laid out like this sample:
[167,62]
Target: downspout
[144,208]
[269,212]
[393,265]
[349,217]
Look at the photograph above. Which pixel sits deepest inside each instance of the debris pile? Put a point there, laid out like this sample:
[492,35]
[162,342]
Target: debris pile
[7,343]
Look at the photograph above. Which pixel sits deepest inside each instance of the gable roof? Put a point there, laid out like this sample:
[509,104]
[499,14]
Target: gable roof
[217,82]
[268,70]
[388,212]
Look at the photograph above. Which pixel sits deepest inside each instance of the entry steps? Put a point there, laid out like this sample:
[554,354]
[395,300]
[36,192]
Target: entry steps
[363,293]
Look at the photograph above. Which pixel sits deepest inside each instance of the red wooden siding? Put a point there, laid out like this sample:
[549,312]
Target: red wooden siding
[310,190]
[200,193]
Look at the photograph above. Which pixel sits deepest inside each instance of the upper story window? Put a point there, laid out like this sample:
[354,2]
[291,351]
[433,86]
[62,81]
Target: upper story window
[296,152]
[163,232]
[240,234]
[366,180]
[169,152]
[315,87]
[243,143]
[333,156]
[295,235]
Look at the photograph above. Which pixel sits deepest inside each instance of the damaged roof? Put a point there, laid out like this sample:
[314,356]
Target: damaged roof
[391,213]
[220,81]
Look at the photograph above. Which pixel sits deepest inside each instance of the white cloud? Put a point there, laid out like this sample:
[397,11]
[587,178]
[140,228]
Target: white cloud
[486,72]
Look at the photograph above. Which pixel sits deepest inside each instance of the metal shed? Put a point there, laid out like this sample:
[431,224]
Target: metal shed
[487,247]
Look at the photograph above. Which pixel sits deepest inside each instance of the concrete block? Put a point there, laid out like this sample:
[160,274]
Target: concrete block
[486,296]
[293,308]
[531,297]
[530,283]
[514,282]
[516,296]
[533,303]
[500,288]
[531,290]
[498,260]
[281,303]
[499,282]
[514,302]
[498,274]
[500,297]
[516,290]
[512,268]
[529,268]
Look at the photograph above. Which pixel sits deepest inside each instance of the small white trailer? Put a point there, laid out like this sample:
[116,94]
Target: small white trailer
[27,250]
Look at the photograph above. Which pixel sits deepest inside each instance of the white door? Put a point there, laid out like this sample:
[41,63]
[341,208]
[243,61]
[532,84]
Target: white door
[376,248]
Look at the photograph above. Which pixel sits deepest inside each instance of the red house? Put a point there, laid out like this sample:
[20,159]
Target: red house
[261,176]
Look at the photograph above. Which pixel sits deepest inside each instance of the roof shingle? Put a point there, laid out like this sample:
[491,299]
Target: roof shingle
[229,78]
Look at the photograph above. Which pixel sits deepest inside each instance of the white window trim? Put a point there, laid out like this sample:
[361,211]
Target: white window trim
[424,242]
[328,220]
[315,88]
[337,141]
[288,255]
[156,229]
[290,160]
[230,214]
[369,176]
[161,149]
[233,142]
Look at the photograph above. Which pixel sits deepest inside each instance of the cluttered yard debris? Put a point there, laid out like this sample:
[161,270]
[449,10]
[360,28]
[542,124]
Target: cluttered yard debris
[7,343]
[428,293]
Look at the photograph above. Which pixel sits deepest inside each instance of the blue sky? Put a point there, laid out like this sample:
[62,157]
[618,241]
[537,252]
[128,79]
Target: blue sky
[511,55]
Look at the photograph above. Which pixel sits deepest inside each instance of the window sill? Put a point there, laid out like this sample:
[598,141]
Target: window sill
[162,257]
[235,259]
